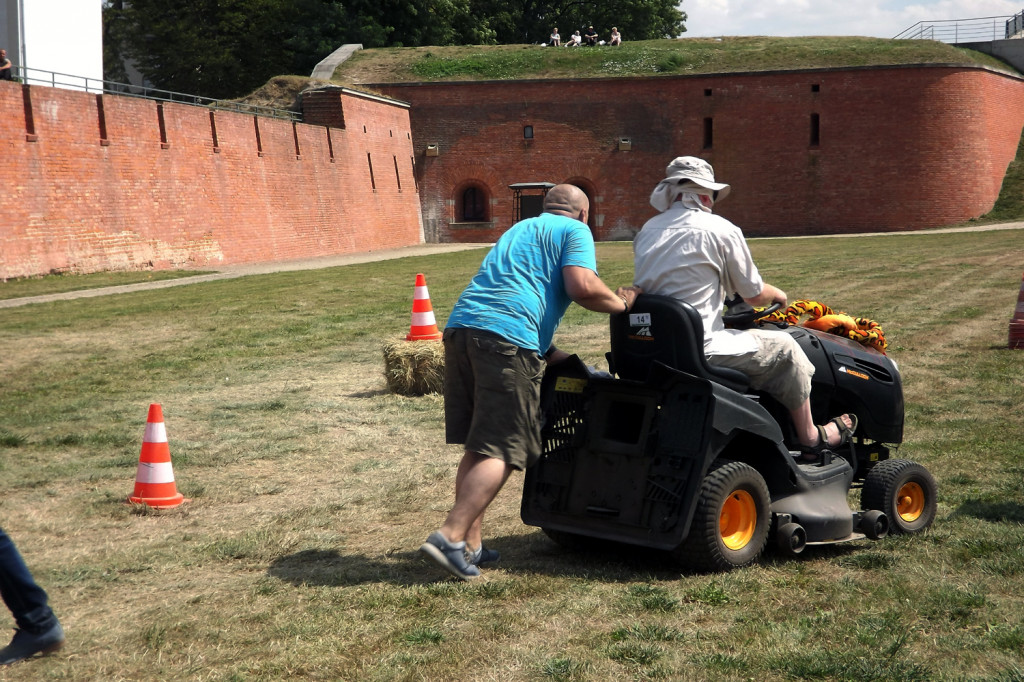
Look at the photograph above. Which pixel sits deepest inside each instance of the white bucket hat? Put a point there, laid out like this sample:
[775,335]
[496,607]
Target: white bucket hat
[682,170]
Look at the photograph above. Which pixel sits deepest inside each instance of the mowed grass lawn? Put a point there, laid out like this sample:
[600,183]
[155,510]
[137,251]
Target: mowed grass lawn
[312,487]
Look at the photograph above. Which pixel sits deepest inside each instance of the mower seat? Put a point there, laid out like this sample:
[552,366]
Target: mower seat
[660,329]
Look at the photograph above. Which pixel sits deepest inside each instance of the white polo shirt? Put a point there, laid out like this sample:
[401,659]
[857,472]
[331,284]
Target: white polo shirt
[699,258]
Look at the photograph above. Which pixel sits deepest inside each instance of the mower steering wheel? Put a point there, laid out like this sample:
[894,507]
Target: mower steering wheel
[742,315]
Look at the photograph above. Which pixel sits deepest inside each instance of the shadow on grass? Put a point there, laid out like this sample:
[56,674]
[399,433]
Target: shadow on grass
[991,511]
[376,393]
[522,555]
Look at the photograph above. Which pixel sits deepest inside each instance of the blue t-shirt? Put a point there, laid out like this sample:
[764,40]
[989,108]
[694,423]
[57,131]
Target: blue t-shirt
[519,293]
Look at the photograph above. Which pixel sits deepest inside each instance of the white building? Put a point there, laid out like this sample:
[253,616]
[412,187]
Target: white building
[54,42]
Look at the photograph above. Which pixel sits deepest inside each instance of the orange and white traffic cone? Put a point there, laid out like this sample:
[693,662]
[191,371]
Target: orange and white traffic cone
[154,479]
[1017,323]
[424,326]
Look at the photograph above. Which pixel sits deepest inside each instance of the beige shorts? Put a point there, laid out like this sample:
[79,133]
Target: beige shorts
[779,367]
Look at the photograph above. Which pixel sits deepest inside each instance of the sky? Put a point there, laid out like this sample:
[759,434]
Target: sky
[877,18]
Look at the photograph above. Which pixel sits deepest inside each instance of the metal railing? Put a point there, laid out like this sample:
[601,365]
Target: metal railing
[964,30]
[1015,25]
[62,80]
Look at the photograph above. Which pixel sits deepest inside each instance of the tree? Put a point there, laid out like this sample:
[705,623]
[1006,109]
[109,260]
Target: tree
[226,48]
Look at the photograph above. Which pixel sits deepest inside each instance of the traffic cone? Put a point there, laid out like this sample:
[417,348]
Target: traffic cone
[154,479]
[423,327]
[1017,323]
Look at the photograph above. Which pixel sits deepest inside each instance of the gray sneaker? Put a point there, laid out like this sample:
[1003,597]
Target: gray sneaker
[482,555]
[451,556]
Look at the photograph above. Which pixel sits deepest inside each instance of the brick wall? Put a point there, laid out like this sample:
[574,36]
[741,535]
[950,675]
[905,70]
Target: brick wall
[108,182]
[898,148]
[115,183]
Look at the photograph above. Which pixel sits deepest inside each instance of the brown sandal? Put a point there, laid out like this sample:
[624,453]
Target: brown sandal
[814,453]
[845,432]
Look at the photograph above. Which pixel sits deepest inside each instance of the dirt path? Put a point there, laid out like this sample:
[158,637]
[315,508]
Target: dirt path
[232,271]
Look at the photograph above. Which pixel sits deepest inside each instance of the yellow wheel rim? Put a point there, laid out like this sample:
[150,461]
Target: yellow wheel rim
[910,501]
[738,519]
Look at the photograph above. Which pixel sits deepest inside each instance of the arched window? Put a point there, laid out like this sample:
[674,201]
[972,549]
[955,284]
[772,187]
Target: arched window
[474,205]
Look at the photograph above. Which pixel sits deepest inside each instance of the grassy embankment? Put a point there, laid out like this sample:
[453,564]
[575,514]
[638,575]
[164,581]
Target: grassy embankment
[312,486]
[646,58]
[639,58]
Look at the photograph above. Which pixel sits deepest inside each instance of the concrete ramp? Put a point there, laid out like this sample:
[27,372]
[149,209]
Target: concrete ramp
[1010,50]
[325,69]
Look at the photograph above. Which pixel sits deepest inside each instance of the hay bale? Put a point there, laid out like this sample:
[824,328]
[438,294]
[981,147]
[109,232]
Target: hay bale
[414,367]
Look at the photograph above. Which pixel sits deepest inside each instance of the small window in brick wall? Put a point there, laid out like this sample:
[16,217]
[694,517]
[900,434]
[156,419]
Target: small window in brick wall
[474,205]
[815,130]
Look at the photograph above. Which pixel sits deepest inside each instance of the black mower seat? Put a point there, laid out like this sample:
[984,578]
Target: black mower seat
[663,329]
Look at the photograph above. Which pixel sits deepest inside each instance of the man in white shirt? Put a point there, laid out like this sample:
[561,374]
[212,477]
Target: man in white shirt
[688,253]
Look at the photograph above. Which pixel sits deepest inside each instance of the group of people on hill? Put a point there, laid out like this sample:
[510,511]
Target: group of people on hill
[590,38]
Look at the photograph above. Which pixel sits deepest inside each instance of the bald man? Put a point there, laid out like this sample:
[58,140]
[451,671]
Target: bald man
[497,343]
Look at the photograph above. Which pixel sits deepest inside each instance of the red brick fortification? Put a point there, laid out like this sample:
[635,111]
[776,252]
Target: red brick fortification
[104,182]
[111,183]
[1017,323]
[807,152]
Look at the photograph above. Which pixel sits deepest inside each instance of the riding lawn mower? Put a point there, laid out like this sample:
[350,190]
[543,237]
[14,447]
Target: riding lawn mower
[669,452]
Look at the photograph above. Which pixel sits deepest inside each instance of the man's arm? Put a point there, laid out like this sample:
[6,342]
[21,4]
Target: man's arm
[586,289]
[769,294]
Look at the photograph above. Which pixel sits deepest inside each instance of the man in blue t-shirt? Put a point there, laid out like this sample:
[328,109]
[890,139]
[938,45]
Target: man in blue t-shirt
[497,342]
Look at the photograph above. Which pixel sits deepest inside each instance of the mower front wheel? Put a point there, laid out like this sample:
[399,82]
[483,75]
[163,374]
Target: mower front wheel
[791,538]
[902,490]
[731,523]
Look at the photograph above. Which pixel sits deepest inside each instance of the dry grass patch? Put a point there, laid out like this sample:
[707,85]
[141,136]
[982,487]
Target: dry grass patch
[313,484]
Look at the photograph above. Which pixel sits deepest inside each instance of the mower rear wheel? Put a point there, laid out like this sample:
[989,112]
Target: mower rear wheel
[904,491]
[731,523]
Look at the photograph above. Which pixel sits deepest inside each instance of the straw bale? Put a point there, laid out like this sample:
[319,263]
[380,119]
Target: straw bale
[414,367]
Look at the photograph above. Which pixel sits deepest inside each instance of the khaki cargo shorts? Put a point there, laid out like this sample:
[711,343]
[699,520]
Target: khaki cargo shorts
[779,367]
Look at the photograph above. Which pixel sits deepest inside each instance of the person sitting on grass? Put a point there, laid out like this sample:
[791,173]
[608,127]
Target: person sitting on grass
[590,37]
[616,37]
[555,40]
[575,40]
